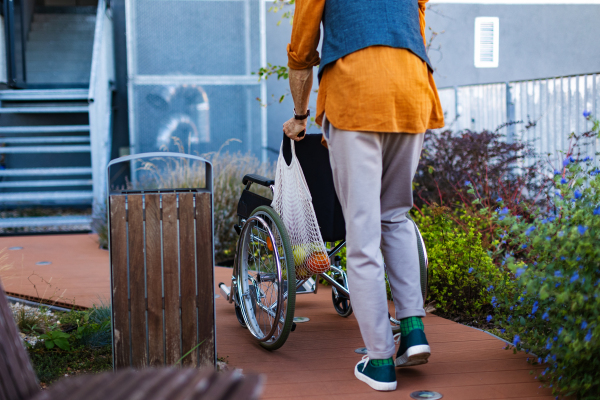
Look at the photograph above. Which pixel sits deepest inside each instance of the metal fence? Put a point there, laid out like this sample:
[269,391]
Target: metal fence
[547,111]
[190,67]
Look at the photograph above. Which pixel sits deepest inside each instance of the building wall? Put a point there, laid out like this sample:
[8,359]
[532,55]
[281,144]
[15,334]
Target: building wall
[536,41]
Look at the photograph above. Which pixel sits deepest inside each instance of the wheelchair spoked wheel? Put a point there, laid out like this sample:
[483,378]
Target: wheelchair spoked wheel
[265,268]
[341,302]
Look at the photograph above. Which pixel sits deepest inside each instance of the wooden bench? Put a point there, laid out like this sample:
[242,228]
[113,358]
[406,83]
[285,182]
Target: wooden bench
[18,380]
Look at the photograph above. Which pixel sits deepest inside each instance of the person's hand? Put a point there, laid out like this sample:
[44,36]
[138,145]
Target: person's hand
[292,127]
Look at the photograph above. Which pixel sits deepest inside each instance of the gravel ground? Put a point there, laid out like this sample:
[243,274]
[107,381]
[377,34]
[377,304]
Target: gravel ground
[35,313]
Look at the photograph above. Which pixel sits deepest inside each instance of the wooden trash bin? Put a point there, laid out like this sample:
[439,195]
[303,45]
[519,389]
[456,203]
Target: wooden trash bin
[162,272]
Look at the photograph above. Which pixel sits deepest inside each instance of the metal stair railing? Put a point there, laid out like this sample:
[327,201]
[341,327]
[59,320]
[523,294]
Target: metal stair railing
[99,98]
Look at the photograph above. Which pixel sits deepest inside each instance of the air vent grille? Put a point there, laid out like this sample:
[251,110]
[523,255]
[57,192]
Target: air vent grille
[487,35]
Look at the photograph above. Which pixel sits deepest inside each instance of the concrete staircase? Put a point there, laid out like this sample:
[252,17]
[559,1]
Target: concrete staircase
[59,49]
[45,153]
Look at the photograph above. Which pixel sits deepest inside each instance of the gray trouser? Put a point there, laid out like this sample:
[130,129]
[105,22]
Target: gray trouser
[372,174]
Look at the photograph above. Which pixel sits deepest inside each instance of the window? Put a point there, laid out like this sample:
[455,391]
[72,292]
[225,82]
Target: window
[487,35]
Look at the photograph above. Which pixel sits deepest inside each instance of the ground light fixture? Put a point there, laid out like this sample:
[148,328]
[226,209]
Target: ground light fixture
[43,263]
[299,320]
[426,394]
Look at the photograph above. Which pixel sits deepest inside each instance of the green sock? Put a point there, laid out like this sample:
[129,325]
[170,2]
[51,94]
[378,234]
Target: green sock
[381,363]
[410,323]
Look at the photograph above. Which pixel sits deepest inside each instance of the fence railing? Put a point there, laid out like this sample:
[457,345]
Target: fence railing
[547,111]
[100,100]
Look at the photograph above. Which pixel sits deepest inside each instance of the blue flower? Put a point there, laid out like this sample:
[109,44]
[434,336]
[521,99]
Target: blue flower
[582,229]
[551,218]
[467,183]
[583,325]
[558,274]
[563,181]
[519,272]
[494,301]
[548,346]
[561,234]
[588,337]
[578,258]
[489,318]
[587,113]
[504,211]
[499,199]
[511,307]
[534,308]
[524,246]
[557,284]
[577,194]
[571,159]
[597,211]
[471,270]
[516,340]
[595,172]
[560,330]
[574,277]
[529,230]
[556,172]
[587,158]
[546,317]
[565,162]
[548,238]
[509,317]
[563,258]
[502,330]
[490,288]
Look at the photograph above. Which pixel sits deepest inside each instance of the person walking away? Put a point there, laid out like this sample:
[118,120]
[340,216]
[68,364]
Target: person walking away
[376,99]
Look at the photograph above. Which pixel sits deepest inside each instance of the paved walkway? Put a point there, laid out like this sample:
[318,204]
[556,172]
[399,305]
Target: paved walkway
[318,359]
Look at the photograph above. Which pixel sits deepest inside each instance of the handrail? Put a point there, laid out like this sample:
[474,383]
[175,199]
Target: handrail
[97,48]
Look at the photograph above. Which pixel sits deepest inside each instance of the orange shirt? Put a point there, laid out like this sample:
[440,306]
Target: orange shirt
[376,89]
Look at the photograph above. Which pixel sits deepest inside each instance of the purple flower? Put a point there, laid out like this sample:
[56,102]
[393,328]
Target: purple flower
[489,318]
[582,229]
[577,194]
[467,183]
[563,181]
[586,113]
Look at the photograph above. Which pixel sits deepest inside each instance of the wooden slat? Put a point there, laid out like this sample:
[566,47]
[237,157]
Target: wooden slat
[187,267]
[137,284]
[171,278]
[118,264]
[206,296]
[224,383]
[156,348]
[17,379]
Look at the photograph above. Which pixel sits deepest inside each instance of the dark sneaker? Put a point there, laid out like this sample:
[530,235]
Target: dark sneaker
[379,374]
[414,349]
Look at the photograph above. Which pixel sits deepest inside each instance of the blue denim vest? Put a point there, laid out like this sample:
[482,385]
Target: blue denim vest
[351,25]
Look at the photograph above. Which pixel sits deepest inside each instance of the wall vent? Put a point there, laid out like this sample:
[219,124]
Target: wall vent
[487,35]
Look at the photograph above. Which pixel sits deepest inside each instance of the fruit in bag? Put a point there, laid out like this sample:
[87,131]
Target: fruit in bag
[318,262]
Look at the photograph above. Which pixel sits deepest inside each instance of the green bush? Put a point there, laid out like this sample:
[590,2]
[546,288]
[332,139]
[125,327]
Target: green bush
[460,271]
[554,312]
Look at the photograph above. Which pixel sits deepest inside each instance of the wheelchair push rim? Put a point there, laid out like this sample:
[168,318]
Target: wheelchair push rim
[264,267]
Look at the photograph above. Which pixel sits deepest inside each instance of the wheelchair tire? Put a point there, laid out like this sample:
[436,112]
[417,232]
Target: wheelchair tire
[258,267]
[341,303]
[423,261]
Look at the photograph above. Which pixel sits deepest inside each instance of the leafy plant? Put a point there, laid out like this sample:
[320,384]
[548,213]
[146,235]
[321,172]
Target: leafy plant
[460,271]
[57,338]
[554,311]
[474,172]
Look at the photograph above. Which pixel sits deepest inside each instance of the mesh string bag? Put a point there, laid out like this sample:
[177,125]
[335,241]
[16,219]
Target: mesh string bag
[293,202]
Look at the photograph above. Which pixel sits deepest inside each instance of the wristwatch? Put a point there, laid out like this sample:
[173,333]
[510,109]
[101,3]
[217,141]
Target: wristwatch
[301,117]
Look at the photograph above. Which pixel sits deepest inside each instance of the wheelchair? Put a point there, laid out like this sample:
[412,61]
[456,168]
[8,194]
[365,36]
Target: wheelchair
[265,281]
